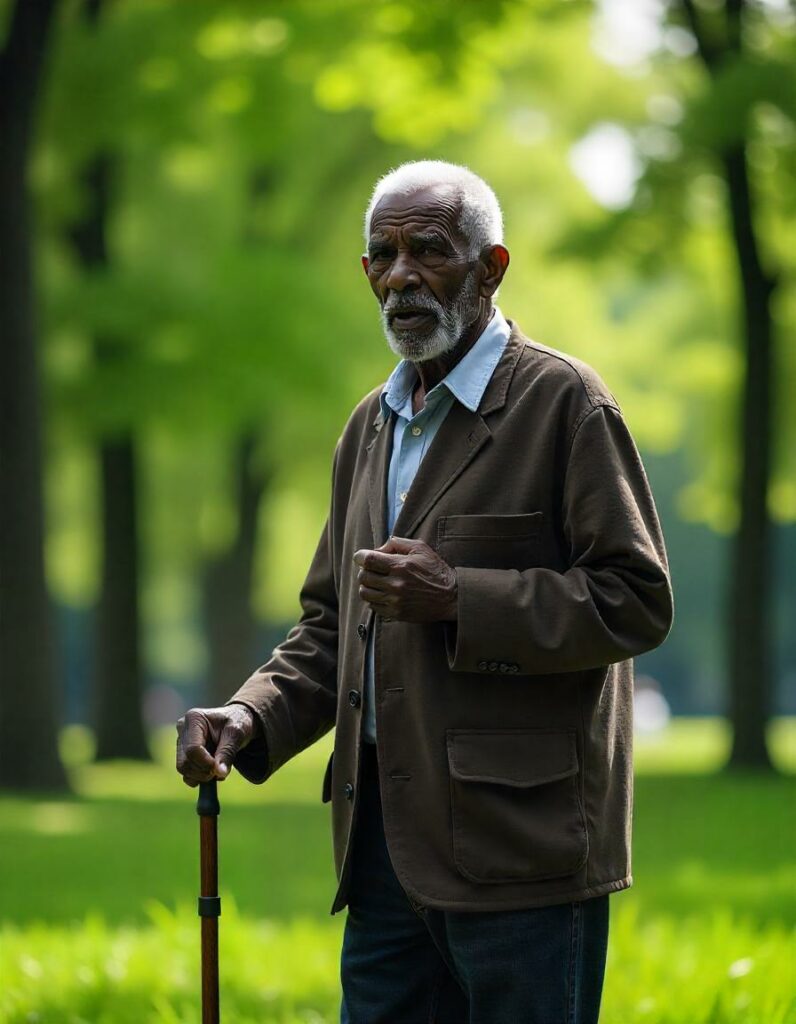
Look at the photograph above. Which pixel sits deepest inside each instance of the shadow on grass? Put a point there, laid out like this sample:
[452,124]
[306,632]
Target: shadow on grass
[700,842]
[113,857]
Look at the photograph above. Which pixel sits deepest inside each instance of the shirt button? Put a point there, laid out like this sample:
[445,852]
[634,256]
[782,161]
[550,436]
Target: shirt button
[402,495]
[349,791]
[354,698]
[362,631]
[417,431]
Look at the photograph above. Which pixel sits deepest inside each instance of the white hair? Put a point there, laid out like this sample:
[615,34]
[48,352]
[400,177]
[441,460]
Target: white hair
[480,218]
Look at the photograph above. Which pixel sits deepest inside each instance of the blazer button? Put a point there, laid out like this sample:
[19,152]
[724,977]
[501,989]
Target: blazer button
[349,791]
[482,666]
[493,666]
[514,668]
[362,631]
[504,667]
[354,698]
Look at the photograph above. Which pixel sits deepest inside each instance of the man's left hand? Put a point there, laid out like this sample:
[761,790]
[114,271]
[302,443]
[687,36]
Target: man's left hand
[407,580]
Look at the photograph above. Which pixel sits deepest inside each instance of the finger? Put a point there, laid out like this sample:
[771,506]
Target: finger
[198,757]
[229,744]
[376,561]
[195,750]
[399,545]
[193,759]
[374,580]
[377,598]
[192,774]
[196,731]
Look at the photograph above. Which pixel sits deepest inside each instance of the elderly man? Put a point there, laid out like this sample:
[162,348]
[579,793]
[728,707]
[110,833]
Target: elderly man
[491,563]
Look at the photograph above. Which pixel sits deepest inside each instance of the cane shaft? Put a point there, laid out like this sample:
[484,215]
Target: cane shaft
[208,860]
[210,1007]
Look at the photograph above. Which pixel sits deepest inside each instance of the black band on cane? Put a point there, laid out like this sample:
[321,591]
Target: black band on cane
[207,805]
[209,906]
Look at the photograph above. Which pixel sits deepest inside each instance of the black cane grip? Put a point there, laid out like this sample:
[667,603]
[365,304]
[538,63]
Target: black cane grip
[207,806]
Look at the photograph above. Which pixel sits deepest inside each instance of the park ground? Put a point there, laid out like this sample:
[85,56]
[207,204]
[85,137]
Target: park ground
[97,893]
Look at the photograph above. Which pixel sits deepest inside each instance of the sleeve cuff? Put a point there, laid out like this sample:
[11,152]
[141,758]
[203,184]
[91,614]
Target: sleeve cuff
[472,642]
[253,761]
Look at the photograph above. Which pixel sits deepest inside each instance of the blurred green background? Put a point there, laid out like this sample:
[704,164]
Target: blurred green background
[185,328]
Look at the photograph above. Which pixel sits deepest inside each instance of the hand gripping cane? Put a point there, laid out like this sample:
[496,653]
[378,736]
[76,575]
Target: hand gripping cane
[208,809]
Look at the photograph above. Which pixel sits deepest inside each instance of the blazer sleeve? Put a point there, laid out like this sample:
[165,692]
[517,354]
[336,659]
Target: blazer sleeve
[294,694]
[612,603]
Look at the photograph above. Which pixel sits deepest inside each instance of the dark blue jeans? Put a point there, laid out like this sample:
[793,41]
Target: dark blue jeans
[402,966]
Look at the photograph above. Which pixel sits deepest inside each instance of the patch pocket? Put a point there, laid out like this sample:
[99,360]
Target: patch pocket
[515,803]
[490,541]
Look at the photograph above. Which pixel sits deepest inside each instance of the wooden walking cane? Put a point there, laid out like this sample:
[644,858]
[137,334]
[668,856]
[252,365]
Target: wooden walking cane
[208,809]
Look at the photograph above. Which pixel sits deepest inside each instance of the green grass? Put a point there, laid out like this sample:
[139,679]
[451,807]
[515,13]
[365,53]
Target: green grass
[97,894]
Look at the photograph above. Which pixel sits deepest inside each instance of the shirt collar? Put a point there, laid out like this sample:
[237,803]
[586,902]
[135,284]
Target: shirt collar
[467,380]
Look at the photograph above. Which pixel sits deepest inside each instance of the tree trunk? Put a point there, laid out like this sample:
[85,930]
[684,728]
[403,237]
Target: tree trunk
[226,586]
[28,717]
[749,642]
[118,692]
[117,684]
[750,639]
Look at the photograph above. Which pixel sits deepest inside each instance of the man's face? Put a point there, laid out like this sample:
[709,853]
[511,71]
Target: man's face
[421,272]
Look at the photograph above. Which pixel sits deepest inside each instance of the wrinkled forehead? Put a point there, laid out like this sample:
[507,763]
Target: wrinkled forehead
[437,206]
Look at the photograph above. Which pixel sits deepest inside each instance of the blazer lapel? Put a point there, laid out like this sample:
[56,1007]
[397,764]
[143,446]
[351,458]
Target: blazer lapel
[379,453]
[460,437]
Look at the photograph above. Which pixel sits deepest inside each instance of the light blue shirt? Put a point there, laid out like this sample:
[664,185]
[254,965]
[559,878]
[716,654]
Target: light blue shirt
[414,434]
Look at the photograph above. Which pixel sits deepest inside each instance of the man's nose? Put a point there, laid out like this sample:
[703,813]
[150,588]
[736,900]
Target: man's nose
[402,273]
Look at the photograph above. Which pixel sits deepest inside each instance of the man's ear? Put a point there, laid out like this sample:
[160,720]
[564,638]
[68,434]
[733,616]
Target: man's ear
[365,262]
[496,262]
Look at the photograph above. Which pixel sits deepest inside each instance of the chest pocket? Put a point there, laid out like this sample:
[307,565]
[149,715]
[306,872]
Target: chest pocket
[490,541]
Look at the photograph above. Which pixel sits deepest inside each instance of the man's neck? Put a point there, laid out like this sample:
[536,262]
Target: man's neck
[431,371]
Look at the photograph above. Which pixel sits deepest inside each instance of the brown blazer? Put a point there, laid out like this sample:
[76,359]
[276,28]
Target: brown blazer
[505,739]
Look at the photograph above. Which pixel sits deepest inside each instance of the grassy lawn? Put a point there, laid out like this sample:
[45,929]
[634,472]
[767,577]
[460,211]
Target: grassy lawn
[97,893]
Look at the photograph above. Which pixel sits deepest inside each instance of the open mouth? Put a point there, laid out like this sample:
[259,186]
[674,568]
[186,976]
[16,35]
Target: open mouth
[411,319]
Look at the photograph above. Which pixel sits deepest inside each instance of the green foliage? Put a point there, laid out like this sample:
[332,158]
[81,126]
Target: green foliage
[713,969]
[244,138]
[703,937]
[93,972]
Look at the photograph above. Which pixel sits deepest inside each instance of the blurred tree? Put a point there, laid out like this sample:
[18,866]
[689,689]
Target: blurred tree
[749,650]
[664,257]
[673,229]
[227,582]
[117,680]
[227,575]
[28,708]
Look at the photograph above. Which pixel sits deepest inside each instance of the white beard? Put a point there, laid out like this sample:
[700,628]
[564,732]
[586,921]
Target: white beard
[452,321]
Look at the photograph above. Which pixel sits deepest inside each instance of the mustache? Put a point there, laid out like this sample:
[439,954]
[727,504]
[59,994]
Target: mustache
[398,303]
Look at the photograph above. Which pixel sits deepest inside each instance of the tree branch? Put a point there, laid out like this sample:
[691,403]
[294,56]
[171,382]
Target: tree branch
[707,51]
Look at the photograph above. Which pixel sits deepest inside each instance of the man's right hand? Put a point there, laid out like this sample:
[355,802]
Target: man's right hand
[209,738]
